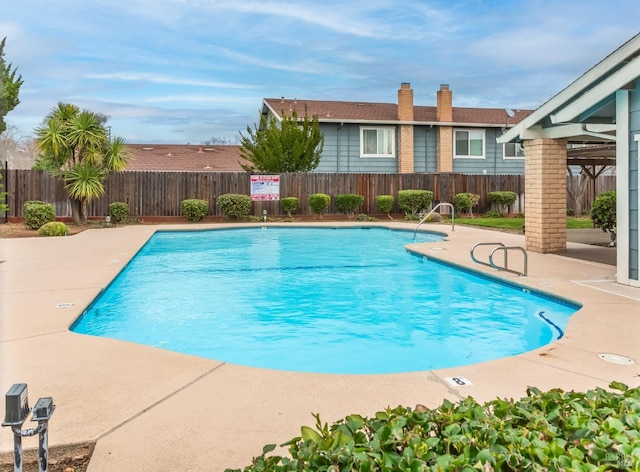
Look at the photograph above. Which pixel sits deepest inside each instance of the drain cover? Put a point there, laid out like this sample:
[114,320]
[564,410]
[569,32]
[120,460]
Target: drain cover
[616,359]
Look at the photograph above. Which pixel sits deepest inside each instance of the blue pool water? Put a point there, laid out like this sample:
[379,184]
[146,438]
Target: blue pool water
[347,300]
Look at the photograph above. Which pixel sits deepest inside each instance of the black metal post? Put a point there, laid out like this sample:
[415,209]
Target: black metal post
[17,448]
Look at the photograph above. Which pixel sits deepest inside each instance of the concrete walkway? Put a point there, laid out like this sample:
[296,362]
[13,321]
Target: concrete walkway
[150,409]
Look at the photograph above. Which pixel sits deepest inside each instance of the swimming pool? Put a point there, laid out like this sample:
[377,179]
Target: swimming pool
[327,300]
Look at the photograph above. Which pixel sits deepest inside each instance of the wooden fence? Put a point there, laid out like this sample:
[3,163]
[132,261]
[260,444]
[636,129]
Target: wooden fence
[158,194]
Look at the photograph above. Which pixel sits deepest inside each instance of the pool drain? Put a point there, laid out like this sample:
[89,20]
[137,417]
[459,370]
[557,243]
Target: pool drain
[616,359]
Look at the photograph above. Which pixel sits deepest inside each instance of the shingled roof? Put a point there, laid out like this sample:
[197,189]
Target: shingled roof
[184,158]
[367,112]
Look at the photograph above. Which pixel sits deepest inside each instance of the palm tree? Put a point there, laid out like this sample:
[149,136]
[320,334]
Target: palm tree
[75,147]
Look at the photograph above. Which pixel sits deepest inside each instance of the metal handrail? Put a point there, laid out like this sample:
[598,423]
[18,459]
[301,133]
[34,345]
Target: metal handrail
[506,249]
[506,265]
[453,217]
[473,257]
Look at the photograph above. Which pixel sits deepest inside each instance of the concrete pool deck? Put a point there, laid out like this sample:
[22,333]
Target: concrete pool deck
[150,409]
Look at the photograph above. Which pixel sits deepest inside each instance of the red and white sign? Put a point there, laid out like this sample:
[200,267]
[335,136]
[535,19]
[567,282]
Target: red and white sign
[265,188]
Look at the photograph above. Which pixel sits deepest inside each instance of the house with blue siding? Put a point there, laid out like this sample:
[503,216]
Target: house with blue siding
[600,106]
[365,137]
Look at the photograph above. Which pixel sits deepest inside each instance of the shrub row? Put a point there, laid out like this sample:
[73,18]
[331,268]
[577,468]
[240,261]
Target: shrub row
[238,207]
[555,430]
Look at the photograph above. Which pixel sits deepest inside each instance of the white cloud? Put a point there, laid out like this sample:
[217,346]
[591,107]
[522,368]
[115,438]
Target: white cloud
[160,79]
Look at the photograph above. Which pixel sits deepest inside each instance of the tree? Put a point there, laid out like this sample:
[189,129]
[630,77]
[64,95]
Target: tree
[19,152]
[75,147]
[9,87]
[222,141]
[293,145]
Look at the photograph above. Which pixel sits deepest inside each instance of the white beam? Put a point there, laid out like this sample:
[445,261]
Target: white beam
[570,130]
[615,81]
[622,189]
[601,127]
[583,82]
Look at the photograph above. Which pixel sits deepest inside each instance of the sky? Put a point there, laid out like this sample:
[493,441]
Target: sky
[192,71]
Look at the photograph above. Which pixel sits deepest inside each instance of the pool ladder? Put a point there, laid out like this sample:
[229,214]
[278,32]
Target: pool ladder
[453,217]
[501,247]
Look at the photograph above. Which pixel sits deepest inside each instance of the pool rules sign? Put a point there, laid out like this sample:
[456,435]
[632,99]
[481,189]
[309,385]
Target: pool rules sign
[265,188]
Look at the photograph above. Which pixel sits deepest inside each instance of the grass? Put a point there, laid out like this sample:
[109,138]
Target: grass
[516,224]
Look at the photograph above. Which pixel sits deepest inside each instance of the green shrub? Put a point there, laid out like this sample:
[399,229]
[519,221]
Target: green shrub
[503,200]
[119,212]
[235,206]
[493,214]
[348,203]
[603,212]
[37,213]
[413,201]
[53,228]
[194,209]
[289,205]
[365,217]
[552,430]
[384,203]
[463,202]
[319,202]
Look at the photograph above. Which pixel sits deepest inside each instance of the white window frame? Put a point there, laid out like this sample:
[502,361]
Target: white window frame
[467,156]
[518,148]
[390,130]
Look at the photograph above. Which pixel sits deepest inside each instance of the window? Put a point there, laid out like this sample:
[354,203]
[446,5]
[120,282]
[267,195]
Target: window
[377,142]
[469,143]
[513,151]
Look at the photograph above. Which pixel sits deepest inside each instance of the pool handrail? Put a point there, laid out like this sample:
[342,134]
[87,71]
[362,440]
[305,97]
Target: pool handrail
[506,249]
[473,257]
[453,217]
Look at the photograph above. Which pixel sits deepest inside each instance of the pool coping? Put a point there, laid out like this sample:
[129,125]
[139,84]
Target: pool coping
[163,410]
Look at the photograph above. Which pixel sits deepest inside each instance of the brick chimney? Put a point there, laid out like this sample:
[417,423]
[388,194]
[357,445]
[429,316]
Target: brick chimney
[405,131]
[445,104]
[444,112]
[405,102]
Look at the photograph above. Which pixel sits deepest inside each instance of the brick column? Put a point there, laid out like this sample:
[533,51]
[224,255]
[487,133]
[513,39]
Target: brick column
[546,195]
[405,132]
[445,149]
[444,113]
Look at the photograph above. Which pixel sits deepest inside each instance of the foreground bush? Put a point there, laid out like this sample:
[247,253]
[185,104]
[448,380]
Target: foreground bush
[37,213]
[414,201]
[555,430]
[463,202]
[119,212]
[53,228]
[503,200]
[348,203]
[194,209]
[235,206]
[289,205]
[319,202]
[384,203]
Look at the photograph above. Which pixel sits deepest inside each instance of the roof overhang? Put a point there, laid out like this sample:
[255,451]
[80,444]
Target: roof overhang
[585,110]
